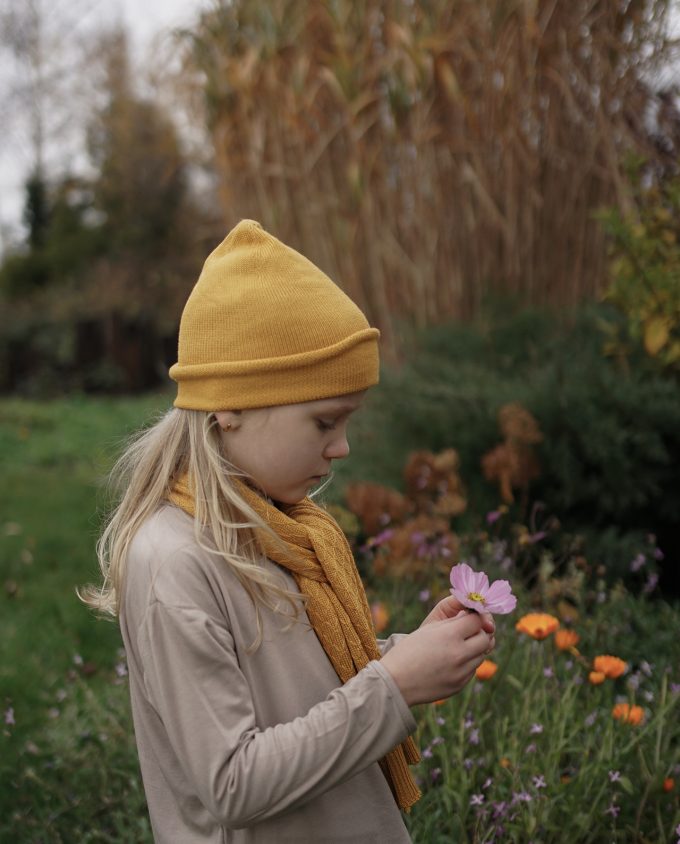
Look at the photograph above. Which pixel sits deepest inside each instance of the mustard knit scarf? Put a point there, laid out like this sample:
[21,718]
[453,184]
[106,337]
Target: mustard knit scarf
[322,564]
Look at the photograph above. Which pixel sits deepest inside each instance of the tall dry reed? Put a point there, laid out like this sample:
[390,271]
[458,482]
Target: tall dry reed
[428,154]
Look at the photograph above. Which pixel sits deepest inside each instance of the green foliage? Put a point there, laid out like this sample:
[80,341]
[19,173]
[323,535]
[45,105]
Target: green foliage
[611,438]
[645,273]
[36,210]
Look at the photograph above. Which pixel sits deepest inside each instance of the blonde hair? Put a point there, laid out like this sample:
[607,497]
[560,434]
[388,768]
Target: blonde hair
[185,441]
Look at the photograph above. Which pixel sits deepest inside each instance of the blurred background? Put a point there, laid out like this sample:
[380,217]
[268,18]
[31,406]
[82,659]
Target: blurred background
[495,183]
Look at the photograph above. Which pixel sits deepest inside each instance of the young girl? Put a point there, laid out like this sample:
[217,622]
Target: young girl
[264,708]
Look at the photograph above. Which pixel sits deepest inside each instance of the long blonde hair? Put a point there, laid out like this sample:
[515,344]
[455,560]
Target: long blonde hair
[184,441]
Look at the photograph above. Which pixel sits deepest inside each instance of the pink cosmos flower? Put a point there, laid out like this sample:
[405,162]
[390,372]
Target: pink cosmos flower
[472,589]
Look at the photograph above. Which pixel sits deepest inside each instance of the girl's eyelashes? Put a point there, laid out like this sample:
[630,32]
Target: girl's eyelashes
[324,425]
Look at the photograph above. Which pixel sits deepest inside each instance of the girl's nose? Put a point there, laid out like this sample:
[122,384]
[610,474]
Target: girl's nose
[337,448]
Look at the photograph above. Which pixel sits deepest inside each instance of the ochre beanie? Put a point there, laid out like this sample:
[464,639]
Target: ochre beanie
[263,326]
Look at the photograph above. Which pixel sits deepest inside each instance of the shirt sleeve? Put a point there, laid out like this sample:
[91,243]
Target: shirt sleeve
[385,645]
[243,774]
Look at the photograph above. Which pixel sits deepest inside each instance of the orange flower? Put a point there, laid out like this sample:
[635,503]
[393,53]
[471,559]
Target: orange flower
[629,714]
[596,677]
[486,670]
[440,701]
[668,784]
[565,639]
[504,762]
[380,615]
[538,625]
[565,778]
[610,666]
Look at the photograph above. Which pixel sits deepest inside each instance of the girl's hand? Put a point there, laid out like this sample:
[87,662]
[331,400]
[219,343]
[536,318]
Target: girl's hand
[439,658]
[451,607]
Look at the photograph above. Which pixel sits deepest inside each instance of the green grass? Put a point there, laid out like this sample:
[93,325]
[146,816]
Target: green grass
[56,660]
[68,767]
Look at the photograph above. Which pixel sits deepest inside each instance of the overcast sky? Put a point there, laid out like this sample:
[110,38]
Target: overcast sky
[144,19]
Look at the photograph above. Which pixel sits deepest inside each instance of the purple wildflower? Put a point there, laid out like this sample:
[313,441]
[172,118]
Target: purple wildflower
[614,776]
[493,516]
[427,753]
[675,688]
[487,782]
[638,562]
[651,583]
[612,810]
[548,672]
[9,716]
[536,729]
[476,799]
[473,738]
[539,782]
[424,595]
[521,797]
[435,773]
[530,748]
[467,764]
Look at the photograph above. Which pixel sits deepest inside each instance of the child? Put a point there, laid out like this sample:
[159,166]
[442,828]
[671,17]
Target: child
[264,708]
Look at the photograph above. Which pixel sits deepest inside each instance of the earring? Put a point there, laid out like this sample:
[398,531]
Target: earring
[228,428]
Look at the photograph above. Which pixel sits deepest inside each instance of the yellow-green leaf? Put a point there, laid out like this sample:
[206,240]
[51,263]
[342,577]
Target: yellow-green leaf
[657,331]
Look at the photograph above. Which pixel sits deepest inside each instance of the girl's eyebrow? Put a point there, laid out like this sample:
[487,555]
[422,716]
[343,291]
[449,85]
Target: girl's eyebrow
[338,409]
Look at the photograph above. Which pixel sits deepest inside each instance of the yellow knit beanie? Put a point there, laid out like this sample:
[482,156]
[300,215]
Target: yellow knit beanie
[263,326]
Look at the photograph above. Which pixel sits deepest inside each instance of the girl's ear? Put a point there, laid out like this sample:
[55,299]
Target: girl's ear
[228,420]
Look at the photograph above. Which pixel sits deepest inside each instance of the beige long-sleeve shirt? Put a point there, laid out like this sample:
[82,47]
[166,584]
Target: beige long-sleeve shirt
[237,747]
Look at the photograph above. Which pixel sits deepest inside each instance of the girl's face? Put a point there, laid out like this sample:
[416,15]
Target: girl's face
[288,449]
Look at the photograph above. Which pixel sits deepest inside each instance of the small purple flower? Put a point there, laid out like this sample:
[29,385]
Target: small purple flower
[646,668]
[530,748]
[476,799]
[472,589]
[473,738]
[612,810]
[633,681]
[435,773]
[651,583]
[548,672]
[521,797]
[614,776]
[436,740]
[441,721]
[675,688]
[424,595]
[539,782]
[638,562]
[467,764]
[536,729]
[427,753]
[469,721]
[9,716]
[493,516]
[536,537]
[487,782]
[499,809]
[658,554]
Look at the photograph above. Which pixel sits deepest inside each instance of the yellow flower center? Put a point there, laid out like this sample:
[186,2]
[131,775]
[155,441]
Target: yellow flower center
[475,596]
